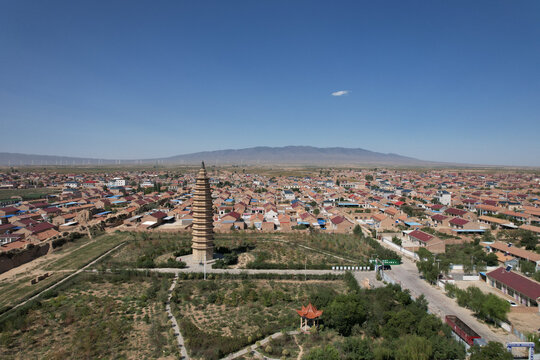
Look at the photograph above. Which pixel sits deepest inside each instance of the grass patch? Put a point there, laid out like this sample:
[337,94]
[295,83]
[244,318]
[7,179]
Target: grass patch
[26,194]
[83,255]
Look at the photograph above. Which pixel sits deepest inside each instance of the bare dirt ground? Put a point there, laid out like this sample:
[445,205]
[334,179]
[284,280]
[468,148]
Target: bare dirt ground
[525,322]
[243,260]
[33,268]
[482,285]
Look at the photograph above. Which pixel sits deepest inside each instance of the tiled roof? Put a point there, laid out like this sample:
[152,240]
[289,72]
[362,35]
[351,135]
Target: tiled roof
[519,283]
[439,217]
[455,212]
[337,220]
[458,221]
[515,251]
[309,312]
[159,214]
[44,226]
[421,236]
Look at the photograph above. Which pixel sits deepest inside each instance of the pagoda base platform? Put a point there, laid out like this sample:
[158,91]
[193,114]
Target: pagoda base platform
[194,263]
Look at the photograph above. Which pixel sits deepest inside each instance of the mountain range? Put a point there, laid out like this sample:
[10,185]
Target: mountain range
[261,155]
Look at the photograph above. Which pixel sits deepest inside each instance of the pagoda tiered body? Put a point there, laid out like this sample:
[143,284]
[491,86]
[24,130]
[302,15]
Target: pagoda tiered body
[203,222]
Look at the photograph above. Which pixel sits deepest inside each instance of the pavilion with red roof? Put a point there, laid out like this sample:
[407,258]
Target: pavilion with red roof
[309,316]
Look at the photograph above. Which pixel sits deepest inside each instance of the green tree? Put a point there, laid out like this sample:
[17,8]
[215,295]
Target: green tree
[494,307]
[492,351]
[413,347]
[527,267]
[527,239]
[491,259]
[343,313]
[400,323]
[430,267]
[356,348]
[447,348]
[368,177]
[323,353]
[487,236]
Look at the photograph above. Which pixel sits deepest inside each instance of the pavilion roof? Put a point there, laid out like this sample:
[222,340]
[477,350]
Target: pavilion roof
[309,312]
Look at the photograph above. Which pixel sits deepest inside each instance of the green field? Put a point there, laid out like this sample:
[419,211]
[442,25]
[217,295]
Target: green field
[84,254]
[26,194]
[64,261]
[15,290]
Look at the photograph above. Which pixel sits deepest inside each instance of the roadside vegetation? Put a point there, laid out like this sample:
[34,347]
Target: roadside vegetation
[488,307]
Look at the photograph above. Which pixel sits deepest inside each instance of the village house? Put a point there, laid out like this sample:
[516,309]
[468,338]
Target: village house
[428,241]
[524,290]
[340,224]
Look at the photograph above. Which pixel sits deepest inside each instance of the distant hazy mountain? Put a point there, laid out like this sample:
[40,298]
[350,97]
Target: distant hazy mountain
[288,155]
[295,155]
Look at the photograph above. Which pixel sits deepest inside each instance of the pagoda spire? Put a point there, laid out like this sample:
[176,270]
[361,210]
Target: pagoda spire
[203,218]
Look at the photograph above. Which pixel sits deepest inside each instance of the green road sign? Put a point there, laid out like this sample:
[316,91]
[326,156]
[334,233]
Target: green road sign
[391,262]
[386,262]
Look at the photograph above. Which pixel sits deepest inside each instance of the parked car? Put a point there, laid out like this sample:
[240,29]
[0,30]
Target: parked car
[512,303]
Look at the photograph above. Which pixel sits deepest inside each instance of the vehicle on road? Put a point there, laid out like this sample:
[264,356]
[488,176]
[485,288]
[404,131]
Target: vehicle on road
[463,330]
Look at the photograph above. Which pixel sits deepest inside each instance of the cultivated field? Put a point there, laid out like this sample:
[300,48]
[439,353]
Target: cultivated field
[15,284]
[221,316]
[95,316]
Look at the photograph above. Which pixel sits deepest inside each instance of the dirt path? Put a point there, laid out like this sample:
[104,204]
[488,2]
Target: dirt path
[176,328]
[253,348]
[300,347]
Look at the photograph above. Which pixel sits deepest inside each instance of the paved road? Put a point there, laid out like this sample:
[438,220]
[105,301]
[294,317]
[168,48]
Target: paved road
[407,276]
[176,328]
[361,276]
[199,269]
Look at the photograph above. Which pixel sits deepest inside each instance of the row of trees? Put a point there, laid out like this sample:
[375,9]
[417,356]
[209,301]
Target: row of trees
[488,307]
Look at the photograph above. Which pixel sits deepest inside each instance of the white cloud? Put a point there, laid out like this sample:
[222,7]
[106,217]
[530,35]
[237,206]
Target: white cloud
[340,93]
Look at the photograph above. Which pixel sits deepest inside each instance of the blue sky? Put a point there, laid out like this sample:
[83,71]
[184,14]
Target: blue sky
[441,80]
